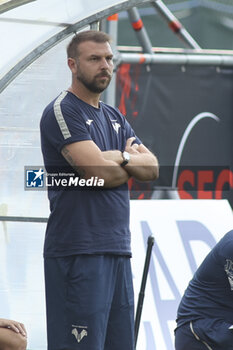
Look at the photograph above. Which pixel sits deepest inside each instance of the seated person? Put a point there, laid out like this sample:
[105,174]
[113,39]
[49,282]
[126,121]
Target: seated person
[13,335]
[205,314]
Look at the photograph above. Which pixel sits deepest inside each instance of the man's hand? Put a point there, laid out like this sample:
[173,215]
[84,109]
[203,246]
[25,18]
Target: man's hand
[15,326]
[131,147]
[143,164]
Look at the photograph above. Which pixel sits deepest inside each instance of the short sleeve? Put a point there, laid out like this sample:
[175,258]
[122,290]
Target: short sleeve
[61,124]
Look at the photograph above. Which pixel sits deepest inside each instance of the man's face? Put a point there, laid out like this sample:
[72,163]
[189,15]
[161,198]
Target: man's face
[94,65]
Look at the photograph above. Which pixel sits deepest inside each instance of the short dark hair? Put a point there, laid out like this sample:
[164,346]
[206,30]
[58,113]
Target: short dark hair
[88,35]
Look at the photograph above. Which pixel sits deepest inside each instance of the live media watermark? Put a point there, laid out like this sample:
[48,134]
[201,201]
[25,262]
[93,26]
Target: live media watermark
[205,180]
[37,178]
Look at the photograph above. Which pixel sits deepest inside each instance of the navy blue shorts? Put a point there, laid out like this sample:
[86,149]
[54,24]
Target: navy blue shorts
[89,303]
[204,334]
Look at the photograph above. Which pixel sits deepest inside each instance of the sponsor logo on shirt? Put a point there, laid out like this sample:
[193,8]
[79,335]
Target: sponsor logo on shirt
[89,121]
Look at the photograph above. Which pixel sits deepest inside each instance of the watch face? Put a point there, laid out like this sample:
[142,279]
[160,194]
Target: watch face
[126,156]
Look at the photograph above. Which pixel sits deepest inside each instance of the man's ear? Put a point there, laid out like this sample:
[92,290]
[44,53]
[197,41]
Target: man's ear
[72,65]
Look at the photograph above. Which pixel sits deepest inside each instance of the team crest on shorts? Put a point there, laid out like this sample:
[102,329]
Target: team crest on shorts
[79,332]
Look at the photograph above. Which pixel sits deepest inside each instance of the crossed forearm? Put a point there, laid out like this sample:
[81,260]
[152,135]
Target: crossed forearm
[143,165]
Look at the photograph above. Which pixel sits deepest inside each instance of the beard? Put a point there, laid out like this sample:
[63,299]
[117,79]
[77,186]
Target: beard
[96,85]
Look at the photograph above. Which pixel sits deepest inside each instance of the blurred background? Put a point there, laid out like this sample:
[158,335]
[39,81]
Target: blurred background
[173,81]
[210,22]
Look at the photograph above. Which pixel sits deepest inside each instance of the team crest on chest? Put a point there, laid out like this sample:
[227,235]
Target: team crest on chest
[116,126]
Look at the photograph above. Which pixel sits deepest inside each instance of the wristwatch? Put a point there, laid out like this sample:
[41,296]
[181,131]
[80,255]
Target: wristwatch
[126,158]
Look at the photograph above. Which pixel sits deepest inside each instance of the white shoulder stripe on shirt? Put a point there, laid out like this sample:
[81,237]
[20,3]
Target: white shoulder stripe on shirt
[59,116]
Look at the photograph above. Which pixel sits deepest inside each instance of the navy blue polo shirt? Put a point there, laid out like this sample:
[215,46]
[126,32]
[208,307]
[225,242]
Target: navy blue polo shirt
[210,292]
[85,221]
